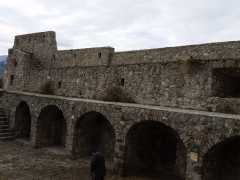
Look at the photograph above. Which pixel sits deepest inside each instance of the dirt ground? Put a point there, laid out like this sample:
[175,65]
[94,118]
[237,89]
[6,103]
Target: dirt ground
[19,161]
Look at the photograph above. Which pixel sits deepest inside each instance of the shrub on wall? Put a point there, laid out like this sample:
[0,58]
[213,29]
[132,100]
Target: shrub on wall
[47,88]
[116,94]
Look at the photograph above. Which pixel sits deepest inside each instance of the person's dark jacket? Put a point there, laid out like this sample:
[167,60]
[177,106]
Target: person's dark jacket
[98,166]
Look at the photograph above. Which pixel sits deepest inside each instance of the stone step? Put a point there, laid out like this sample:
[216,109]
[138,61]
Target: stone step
[5,130]
[9,137]
[3,119]
[6,134]
[2,113]
[4,122]
[2,110]
[4,126]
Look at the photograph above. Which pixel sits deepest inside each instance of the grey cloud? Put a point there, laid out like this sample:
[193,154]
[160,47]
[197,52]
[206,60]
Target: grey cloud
[123,24]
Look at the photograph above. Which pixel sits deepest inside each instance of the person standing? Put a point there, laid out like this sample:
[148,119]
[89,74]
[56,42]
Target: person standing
[98,169]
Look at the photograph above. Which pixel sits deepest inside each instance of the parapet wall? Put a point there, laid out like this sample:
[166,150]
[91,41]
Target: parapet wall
[212,51]
[105,56]
[83,57]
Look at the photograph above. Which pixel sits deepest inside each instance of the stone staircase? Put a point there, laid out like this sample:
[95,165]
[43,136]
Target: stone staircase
[5,132]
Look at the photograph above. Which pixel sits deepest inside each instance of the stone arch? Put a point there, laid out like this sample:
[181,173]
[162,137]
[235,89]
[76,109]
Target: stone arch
[222,161]
[51,127]
[22,124]
[154,150]
[93,132]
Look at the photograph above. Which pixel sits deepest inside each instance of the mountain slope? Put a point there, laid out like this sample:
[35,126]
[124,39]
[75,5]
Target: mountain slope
[3,60]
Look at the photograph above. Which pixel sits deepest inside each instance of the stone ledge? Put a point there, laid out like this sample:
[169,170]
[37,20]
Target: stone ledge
[141,106]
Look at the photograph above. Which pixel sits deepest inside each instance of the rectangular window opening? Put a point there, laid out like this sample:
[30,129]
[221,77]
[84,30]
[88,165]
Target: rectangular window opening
[226,82]
[59,84]
[99,55]
[11,79]
[122,82]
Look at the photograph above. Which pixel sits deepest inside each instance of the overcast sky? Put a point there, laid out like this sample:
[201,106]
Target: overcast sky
[123,24]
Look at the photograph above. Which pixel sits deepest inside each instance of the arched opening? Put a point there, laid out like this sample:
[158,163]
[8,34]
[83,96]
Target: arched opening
[23,121]
[93,132]
[222,161]
[154,150]
[51,127]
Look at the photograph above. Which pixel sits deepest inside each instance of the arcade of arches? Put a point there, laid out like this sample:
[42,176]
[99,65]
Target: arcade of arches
[152,149]
[23,121]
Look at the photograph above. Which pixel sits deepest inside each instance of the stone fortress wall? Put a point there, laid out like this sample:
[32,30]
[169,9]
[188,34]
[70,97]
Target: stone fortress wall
[184,76]
[169,112]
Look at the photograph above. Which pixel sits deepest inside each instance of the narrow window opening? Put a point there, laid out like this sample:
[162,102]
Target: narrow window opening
[59,84]
[14,62]
[99,55]
[122,82]
[11,79]
[31,55]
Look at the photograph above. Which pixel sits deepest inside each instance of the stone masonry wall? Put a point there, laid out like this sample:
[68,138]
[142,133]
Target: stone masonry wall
[204,52]
[17,70]
[82,57]
[187,85]
[41,46]
[174,77]
[162,84]
[127,88]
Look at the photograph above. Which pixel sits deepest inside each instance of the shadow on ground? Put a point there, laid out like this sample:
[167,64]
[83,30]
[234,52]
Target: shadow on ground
[19,161]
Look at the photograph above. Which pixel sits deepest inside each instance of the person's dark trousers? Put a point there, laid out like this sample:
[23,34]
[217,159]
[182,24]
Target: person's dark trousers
[98,168]
[99,178]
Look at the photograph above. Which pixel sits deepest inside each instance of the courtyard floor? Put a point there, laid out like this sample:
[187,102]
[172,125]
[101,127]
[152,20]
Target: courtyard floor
[19,161]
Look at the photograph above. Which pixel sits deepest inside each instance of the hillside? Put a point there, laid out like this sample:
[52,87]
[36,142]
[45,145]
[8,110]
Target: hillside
[3,60]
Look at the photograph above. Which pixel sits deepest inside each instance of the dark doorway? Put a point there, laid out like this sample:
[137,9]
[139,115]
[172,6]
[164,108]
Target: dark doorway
[51,127]
[93,132]
[222,162]
[23,121]
[154,150]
